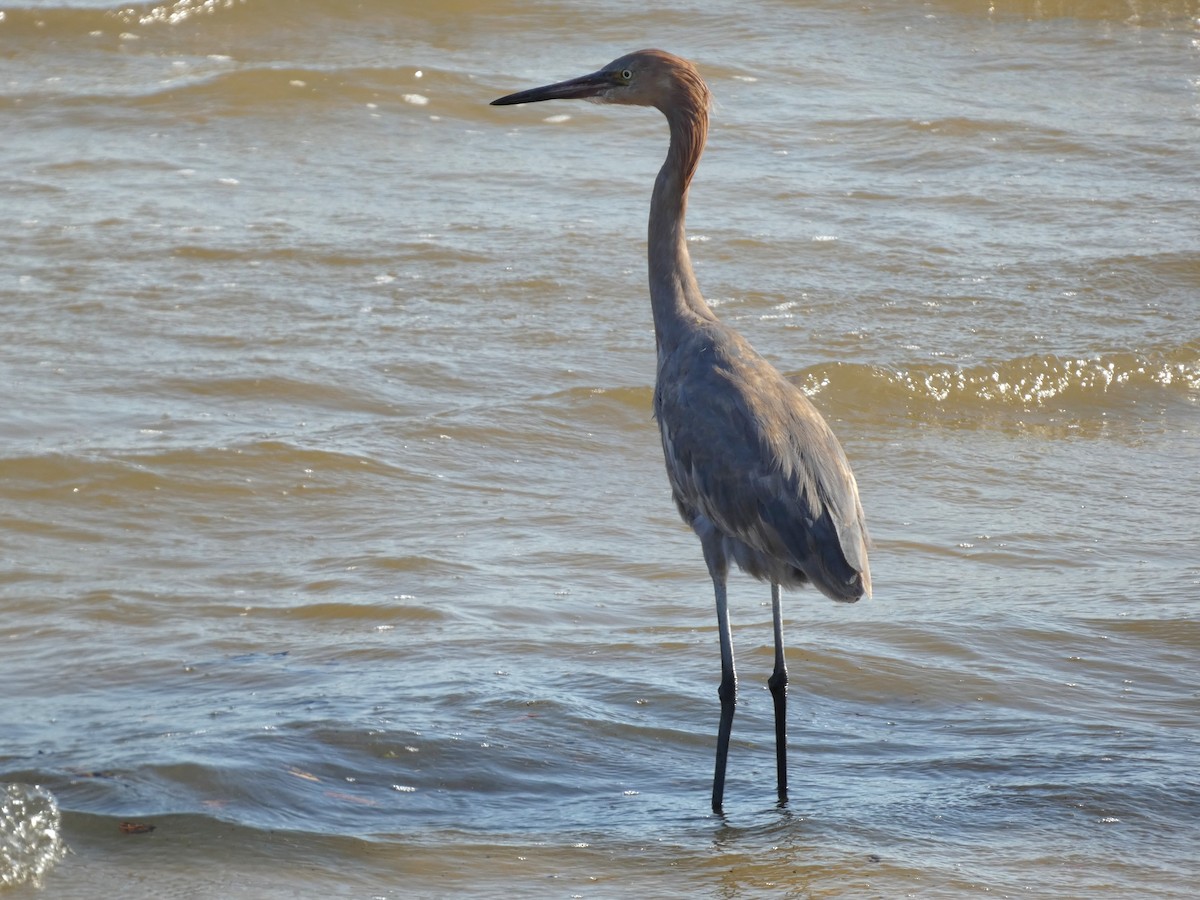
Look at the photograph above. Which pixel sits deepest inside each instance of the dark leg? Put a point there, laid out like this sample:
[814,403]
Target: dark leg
[718,568]
[728,694]
[778,684]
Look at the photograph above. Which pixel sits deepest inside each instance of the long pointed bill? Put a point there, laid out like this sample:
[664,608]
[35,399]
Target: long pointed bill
[579,88]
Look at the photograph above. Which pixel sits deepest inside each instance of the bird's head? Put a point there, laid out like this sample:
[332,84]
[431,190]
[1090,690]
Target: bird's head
[645,78]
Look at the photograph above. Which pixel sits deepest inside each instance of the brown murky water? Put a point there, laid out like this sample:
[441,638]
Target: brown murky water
[335,538]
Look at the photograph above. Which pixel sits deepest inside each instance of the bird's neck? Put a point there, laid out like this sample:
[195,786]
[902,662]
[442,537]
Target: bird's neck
[674,294]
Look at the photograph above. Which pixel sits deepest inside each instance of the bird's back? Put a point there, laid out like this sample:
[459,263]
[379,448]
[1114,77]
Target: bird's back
[750,457]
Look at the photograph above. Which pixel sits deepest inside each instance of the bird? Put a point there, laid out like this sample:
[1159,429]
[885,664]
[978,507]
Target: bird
[754,468]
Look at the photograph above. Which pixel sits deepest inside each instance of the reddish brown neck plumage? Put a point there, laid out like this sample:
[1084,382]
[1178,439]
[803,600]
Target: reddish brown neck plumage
[675,296]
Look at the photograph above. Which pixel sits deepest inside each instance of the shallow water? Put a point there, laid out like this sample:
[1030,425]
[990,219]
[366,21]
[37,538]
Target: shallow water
[336,543]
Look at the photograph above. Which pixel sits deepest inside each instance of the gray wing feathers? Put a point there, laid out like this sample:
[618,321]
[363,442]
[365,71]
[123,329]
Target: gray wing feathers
[747,450]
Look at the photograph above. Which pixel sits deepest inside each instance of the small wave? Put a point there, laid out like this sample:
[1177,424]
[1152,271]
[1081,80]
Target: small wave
[264,88]
[401,609]
[67,21]
[30,834]
[1145,13]
[1038,381]
[1074,386]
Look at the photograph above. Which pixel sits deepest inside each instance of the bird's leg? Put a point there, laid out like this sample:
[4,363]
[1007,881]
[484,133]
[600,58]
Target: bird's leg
[728,694]
[778,684]
[718,567]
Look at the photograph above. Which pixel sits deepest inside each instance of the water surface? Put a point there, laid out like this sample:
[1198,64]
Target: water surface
[336,543]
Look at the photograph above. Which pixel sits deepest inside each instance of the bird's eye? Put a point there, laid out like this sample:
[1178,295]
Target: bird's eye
[626,76]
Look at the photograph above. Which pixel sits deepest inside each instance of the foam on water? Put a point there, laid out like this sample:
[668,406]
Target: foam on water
[31,839]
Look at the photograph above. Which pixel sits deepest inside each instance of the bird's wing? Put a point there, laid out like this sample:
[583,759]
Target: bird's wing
[746,449]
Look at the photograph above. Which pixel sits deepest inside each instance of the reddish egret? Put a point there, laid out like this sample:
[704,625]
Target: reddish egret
[755,471]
